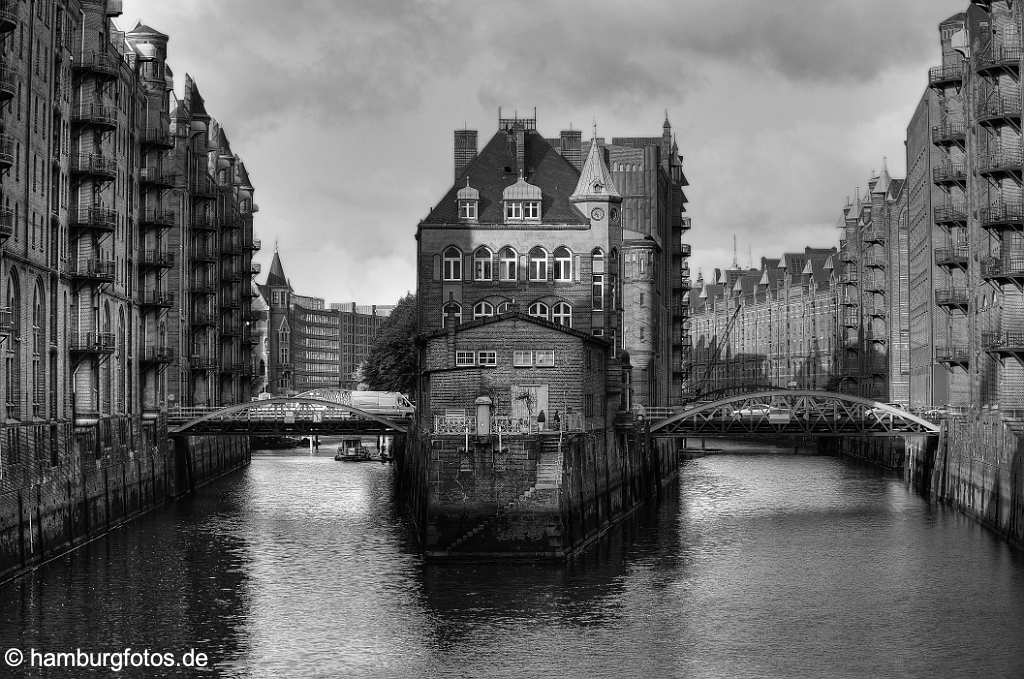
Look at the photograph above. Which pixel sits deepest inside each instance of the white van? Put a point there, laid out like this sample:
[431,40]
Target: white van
[382,403]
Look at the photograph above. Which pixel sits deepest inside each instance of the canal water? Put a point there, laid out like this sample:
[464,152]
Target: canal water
[763,566]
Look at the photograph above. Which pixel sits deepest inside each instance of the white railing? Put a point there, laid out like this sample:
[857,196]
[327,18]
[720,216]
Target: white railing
[448,424]
[504,424]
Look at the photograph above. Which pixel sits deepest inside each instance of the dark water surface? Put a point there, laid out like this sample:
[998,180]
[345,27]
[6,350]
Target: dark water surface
[764,567]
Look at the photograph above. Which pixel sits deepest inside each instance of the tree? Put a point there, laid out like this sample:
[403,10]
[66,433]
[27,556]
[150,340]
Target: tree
[391,363]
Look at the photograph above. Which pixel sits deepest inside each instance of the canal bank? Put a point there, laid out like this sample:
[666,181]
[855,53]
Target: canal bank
[62,486]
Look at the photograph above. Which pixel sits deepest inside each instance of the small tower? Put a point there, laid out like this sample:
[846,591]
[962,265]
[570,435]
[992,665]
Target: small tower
[278,293]
[596,195]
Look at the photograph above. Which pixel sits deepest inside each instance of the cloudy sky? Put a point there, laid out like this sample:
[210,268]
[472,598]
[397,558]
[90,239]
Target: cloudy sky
[343,110]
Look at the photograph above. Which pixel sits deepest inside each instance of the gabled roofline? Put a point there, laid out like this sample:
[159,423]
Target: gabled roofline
[519,316]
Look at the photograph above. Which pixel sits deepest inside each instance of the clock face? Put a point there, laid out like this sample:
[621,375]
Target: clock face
[597,213]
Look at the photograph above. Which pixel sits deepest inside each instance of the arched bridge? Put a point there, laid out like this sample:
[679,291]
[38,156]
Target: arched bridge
[785,411]
[302,414]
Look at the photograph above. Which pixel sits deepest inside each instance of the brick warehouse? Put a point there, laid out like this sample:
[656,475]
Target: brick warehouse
[114,195]
[309,346]
[593,244]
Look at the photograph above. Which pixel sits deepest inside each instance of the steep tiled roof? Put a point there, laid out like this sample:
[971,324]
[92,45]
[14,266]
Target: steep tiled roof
[142,29]
[495,168]
[595,180]
[194,101]
[276,275]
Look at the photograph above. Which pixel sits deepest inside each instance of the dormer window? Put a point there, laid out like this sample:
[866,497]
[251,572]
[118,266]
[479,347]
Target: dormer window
[522,201]
[469,202]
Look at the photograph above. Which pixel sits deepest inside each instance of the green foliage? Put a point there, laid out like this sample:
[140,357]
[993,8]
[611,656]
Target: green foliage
[391,363]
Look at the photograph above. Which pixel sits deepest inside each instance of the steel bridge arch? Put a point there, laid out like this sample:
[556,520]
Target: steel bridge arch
[288,400]
[725,392]
[788,395]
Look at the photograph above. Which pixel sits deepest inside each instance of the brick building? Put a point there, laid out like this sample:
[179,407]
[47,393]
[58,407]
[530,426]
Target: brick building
[309,346]
[773,325]
[588,236]
[107,181]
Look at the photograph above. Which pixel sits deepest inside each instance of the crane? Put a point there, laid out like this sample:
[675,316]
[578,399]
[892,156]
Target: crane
[716,355]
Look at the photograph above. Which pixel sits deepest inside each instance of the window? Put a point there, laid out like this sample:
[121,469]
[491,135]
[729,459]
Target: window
[539,310]
[483,310]
[467,209]
[597,292]
[464,358]
[513,210]
[561,314]
[531,209]
[545,358]
[598,332]
[482,265]
[453,264]
[503,308]
[508,264]
[487,358]
[597,260]
[522,359]
[538,264]
[563,265]
[451,315]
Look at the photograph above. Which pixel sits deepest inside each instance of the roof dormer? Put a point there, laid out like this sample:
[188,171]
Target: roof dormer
[522,201]
[469,203]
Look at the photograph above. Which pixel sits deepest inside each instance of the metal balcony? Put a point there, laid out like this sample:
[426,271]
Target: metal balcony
[6,151]
[231,249]
[875,261]
[231,329]
[950,134]
[6,223]
[94,219]
[254,269]
[1004,343]
[685,249]
[157,355]
[999,109]
[874,234]
[1002,217]
[201,362]
[1007,268]
[998,58]
[945,76]
[158,219]
[9,80]
[953,214]
[255,245]
[954,354]
[203,318]
[6,320]
[157,137]
[95,166]
[953,298]
[157,177]
[97,271]
[952,257]
[877,311]
[230,275]
[95,115]
[156,299]
[203,288]
[875,284]
[91,343]
[851,319]
[949,174]
[203,188]
[205,254]
[156,259]
[1001,163]
[9,17]
[849,278]
[229,304]
[848,256]
[203,222]
[101,64]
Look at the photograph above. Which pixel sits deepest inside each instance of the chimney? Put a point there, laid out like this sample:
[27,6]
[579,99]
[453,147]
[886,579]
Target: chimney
[520,137]
[571,146]
[465,150]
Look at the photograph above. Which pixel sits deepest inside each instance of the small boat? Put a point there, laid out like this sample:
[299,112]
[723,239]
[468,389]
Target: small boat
[352,450]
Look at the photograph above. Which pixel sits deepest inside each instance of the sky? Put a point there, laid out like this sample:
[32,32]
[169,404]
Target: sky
[343,110]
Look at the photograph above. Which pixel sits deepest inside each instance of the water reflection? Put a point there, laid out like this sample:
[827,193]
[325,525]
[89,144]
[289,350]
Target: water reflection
[300,566]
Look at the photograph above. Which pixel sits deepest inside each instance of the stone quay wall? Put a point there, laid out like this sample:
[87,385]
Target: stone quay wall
[62,486]
[538,496]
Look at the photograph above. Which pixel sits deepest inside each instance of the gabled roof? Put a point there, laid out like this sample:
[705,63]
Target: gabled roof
[142,29]
[194,101]
[276,275]
[521,190]
[496,167]
[595,180]
[520,316]
[467,192]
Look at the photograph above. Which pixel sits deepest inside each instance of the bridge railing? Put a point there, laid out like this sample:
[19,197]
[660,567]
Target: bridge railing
[507,425]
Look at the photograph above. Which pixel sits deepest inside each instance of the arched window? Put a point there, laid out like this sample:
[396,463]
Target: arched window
[38,350]
[122,362]
[451,315]
[508,265]
[503,308]
[452,264]
[538,264]
[561,314]
[483,310]
[563,264]
[12,359]
[539,310]
[597,260]
[107,387]
[482,265]
[284,344]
